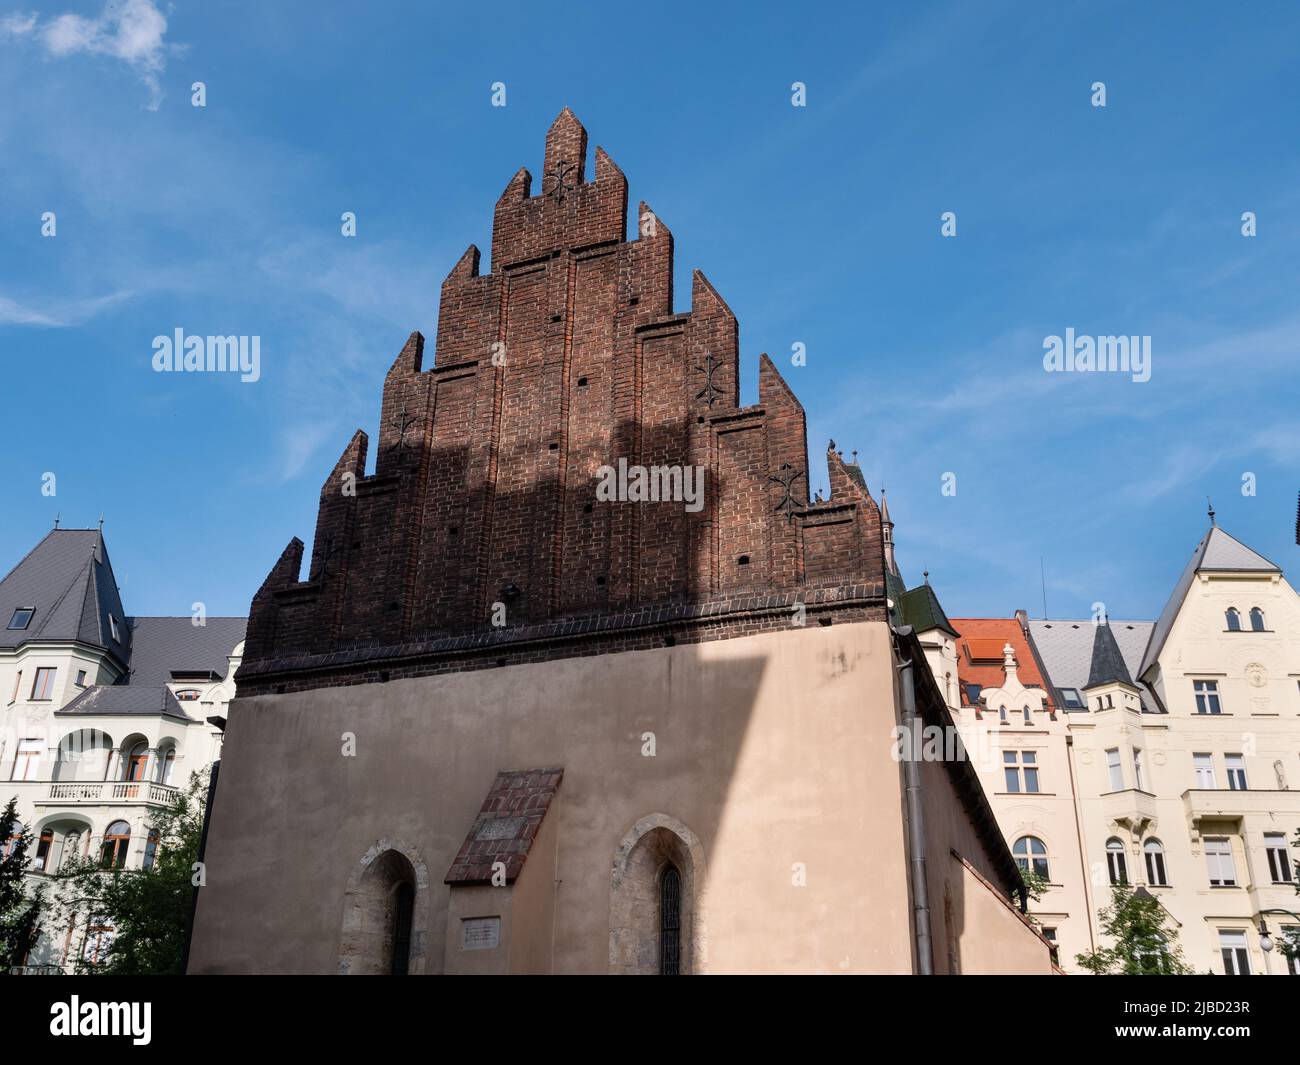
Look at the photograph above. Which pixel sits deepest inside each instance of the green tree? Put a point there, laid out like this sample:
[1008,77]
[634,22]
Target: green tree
[1143,941]
[20,913]
[148,910]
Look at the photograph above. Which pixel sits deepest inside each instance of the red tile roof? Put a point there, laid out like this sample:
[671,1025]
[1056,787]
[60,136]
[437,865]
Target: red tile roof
[506,825]
[979,635]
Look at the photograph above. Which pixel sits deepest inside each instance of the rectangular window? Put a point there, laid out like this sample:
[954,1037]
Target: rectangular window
[112,628]
[43,684]
[18,683]
[1218,856]
[1207,696]
[42,856]
[1232,945]
[1279,857]
[1204,764]
[1020,770]
[1116,770]
[1138,780]
[1236,772]
[27,761]
[22,617]
[81,678]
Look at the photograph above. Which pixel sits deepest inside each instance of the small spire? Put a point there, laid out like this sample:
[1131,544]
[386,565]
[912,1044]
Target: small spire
[56,519]
[1210,506]
[855,455]
[101,523]
[926,575]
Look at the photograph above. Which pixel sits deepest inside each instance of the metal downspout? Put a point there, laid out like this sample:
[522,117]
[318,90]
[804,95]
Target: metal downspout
[915,818]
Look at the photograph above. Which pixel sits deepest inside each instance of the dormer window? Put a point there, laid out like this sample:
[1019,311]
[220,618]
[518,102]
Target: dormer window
[112,628]
[22,617]
[1234,619]
[186,695]
[1072,700]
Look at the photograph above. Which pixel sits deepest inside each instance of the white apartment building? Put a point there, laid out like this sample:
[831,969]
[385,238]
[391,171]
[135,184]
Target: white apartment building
[105,716]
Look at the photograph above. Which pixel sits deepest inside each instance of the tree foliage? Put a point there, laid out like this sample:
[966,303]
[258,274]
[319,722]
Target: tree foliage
[20,911]
[1143,943]
[148,910]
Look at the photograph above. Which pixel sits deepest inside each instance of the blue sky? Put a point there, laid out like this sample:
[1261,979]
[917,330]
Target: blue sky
[818,225]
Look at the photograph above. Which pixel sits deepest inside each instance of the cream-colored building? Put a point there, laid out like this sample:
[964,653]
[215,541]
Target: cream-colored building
[1185,761]
[1161,753]
[105,716]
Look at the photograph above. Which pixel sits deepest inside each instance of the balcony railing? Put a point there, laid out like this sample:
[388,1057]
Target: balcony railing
[99,792]
[36,970]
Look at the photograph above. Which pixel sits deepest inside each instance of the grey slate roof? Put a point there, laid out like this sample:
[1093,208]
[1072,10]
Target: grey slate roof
[1107,660]
[1216,551]
[163,646]
[1065,650]
[126,699]
[68,580]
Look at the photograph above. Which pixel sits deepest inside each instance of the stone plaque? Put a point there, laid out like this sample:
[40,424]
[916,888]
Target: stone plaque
[500,828]
[480,933]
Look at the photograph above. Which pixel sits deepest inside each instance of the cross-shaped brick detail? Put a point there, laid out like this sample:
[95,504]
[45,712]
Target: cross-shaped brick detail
[710,392]
[786,477]
[559,177]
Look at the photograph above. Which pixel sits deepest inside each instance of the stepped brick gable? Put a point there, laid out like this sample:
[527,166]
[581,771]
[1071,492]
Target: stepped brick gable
[567,357]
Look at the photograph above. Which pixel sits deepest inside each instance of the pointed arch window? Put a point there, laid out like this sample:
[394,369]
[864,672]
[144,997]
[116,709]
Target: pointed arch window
[670,922]
[1256,619]
[1234,619]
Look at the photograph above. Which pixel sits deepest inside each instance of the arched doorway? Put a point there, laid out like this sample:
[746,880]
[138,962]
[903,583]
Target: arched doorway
[385,913]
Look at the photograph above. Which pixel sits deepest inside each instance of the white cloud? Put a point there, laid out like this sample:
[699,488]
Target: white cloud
[57,315]
[129,30]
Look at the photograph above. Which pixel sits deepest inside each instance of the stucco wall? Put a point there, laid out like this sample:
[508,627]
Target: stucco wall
[773,750]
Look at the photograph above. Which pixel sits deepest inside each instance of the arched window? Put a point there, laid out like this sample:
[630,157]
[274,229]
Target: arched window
[670,922]
[136,760]
[403,911]
[1256,619]
[384,910]
[166,763]
[150,849]
[1234,619]
[117,839]
[1115,861]
[1030,853]
[1155,856]
[8,846]
[42,855]
[655,926]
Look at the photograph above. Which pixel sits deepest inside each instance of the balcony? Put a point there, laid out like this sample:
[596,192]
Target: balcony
[107,792]
[1224,804]
[1131,807]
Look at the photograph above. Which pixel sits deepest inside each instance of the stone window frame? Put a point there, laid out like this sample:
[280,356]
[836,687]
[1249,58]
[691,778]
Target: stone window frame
[354,906]
[623,910]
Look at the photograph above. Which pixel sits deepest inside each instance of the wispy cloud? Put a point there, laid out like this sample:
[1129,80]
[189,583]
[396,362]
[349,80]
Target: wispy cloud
[128,30]
[57,315]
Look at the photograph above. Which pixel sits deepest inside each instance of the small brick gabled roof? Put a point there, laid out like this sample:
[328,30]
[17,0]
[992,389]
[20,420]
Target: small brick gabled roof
[506,825]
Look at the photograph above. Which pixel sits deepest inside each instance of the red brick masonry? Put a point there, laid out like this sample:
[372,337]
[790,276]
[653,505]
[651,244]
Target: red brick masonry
[506,825]
[484,489]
